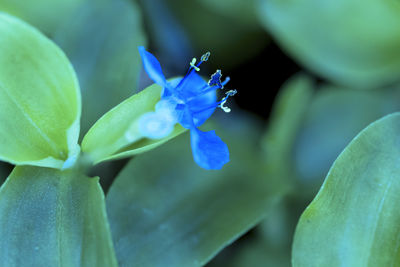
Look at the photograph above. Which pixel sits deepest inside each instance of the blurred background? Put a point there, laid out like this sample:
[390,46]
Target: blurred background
[310,75]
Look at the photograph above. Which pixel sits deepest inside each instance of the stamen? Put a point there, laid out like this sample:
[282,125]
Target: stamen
[225,109]
[207,89]
[219,103]
[193,67]
[205,57]
[216,79]
[192,64]
[228,94]
[231,92]
[227,79]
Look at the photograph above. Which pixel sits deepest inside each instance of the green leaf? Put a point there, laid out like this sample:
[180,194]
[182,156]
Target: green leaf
[350,42]
[40,103]
[268,245]
[287,115]
[46,15]
[334,116]
[164,210]
[243,11]
[354,219]
[116,135]
[53,218]
[102,43]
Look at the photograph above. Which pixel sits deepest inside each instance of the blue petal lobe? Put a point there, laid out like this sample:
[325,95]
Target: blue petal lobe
[209,152]
[152,67]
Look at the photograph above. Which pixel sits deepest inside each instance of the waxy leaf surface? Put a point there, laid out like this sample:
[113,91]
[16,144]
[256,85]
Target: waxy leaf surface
[354,219]
[53,218]
[39,98]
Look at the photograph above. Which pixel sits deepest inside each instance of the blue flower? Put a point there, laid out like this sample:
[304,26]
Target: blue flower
[189,101]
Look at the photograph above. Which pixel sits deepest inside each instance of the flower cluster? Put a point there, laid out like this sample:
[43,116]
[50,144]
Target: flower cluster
[189,101]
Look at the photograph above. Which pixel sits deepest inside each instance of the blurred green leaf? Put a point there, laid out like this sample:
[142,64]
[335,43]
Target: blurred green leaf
[353,221]
[53,218]
[102,43]
[260,254]
[288,112]
[269,244]
[116,134]
[164,210]
[350,42]
[47,15]
[334,116]
[230,41]
[40,103]
[311,125]
[243,11]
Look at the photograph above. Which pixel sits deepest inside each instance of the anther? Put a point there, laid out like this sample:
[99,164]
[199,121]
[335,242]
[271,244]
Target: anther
[231,92]
[216,79]
[205,56]
[228,94]
[225,109]
[193,64]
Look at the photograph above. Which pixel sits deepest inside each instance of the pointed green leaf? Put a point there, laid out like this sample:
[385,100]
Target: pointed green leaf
[354,219]
[39,98]
[102,43]
[116,134]
[53,218]
[164,210]
[350,42]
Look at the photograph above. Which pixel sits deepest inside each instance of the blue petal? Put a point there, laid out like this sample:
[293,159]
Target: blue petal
[169,88]
[207,103]
[191,90]
[208,150]
[192,85]
[152,67]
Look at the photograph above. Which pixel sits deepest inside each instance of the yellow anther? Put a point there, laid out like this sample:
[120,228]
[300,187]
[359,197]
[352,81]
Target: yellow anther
[228,94]
[224,108]
[192,64]
[205,56]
